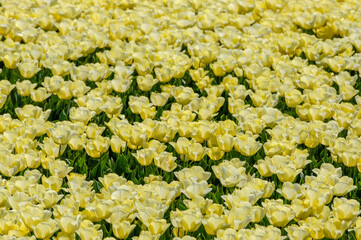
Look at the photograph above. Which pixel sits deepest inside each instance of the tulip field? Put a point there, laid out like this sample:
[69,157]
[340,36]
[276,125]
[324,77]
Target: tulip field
[180,119]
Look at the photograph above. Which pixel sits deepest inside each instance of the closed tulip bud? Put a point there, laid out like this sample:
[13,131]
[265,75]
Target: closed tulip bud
[25,87]
[46,229]
[122,229]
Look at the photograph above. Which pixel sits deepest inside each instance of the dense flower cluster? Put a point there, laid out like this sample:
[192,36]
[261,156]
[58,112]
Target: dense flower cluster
[251,87]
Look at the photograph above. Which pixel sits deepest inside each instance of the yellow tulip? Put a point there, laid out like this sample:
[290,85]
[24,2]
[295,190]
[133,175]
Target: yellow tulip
[25,87]
[295,232]
[53,84]
[345,209]
[79,73]
[97,146]
[28,68]
[60,133]
[33,215]
[193,189]
[189,220]
[246,144]
[59,168]
[158,226]
[194,172]
[145,83]
[60,68]
[117,144]
[334,228]
[52,182]
[78,88]
[77,142]
[343,186]
[225,142]
[64,92]
[122,229]
[165,161]
[144,156]
[69,223]
[279,215]
[90,231]
[212,223]
[215,153]
[288,173]
[230,173]
[181,146]
[195,151]
[357,228]
[290,191]
[257,214]
[46,229]
[239,217]
[6,87]
[50,198]
[39,95]
[93,130]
